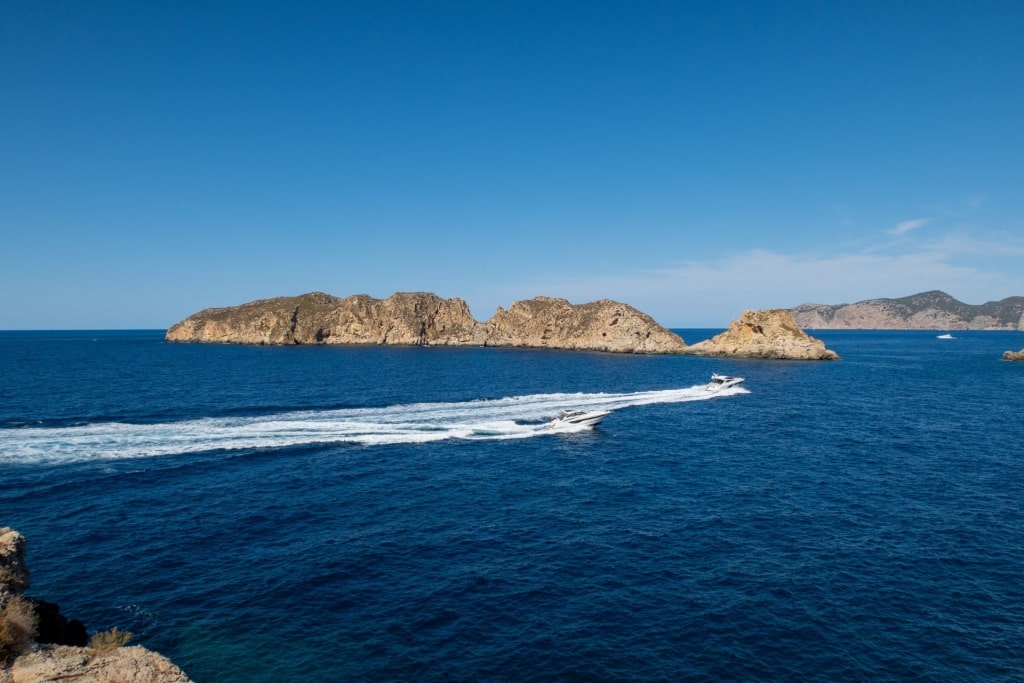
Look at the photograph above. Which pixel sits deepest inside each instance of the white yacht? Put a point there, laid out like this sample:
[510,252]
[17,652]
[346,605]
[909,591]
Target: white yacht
[719,382]
[946,336]
[578,418]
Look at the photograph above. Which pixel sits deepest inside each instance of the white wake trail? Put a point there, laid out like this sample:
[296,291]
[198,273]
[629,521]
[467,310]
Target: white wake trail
[514,417]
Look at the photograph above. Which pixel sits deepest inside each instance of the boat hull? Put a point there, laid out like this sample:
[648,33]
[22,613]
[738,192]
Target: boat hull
[578,418]
[719,382]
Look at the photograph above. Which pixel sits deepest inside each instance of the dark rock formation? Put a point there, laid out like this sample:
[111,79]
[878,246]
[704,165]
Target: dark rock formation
[925,311]
[764,334]
[425,319]
[55,628]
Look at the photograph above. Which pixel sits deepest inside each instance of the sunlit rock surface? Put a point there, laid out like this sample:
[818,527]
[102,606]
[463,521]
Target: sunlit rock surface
[764,334]
[424,319]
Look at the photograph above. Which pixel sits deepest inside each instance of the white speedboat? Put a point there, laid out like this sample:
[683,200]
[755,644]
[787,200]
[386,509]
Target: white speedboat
[719,382]
[578,418]
[946,336]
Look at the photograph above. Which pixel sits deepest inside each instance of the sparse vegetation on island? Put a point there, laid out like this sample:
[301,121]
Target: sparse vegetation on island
[108,640]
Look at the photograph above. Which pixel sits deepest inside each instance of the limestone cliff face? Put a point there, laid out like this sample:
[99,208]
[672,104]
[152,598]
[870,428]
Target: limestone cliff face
[428,320]
[45,662]
[764,334]
[597,326]
[933,310]
[268,321]
[403,318]
[318,318]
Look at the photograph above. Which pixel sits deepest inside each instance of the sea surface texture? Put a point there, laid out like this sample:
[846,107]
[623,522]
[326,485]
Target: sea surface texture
[326,514]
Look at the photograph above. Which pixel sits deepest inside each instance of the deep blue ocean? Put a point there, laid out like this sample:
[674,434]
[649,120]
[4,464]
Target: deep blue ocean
[307,514]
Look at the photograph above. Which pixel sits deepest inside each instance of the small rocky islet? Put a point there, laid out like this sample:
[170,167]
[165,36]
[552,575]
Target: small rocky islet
[770,334]
[425,319]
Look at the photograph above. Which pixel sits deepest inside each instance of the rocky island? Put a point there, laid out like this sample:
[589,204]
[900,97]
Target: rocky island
[932,310]
[764,334]
[1014,355]
[545,322]
[39,645]
[424,319]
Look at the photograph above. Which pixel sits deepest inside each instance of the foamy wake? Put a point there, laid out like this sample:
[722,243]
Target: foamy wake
[515,417]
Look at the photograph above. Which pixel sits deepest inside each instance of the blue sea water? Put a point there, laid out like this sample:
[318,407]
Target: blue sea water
[383,514]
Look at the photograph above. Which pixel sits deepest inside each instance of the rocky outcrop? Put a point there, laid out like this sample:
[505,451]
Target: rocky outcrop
[933,310]
[597,326]
[764,334]
[14,576]
[1014,355]
[423,319]
[318,318]
[132,664]
[50,626]
[58,652]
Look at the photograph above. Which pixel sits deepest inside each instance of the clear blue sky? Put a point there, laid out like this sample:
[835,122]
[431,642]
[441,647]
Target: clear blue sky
[692,159]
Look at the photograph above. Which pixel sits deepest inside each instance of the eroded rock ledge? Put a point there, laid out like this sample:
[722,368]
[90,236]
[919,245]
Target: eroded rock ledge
[48,656]
[1014,355]
[424,319]
[132,663]
[764,334]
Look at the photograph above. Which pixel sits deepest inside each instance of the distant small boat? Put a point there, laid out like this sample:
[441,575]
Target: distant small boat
[719,382]
[946,336]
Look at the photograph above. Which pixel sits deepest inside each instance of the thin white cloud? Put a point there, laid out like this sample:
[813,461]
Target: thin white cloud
[712,293]
[999,246]
[907,226]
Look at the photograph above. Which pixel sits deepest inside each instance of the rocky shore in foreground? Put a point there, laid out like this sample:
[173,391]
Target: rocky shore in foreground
[39,645]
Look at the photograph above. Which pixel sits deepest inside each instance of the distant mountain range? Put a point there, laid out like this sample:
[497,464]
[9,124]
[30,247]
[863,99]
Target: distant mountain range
[933,310]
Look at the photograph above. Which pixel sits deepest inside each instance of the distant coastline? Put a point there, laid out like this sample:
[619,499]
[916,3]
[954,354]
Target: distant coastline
[934,310]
